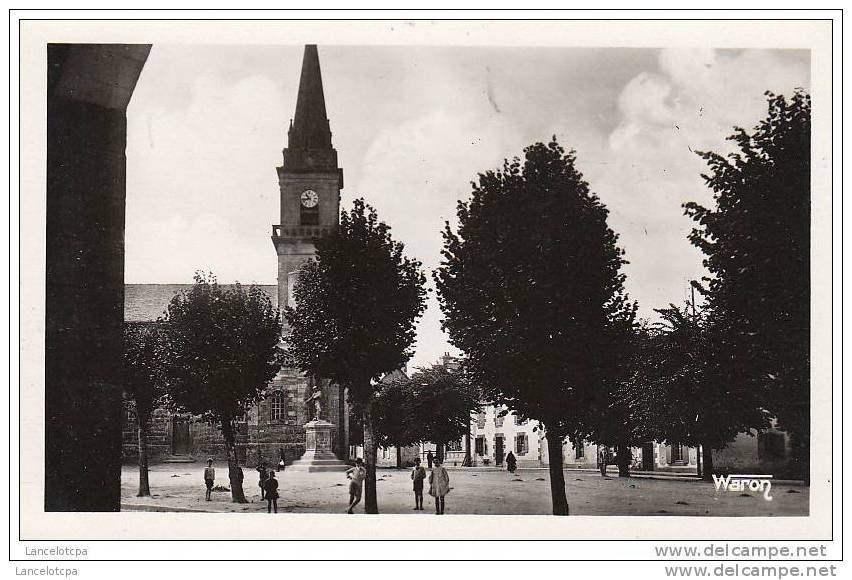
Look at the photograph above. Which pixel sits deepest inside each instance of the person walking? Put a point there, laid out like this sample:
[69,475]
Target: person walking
[271,487]
[439,485]
[282,459]
[511,462]
[263,475]
[356,476]
[430,459]
[209,477]
[418,474]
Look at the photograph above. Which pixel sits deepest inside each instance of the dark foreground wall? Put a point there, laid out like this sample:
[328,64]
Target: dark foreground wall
[89,88]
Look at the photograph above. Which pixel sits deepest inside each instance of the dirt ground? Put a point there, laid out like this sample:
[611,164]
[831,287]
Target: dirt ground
[180,487]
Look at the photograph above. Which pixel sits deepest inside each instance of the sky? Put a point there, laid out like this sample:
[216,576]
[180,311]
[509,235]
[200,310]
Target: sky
[413,126]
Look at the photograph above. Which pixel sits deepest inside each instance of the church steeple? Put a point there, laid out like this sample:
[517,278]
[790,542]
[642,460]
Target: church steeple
[309,137]
[310,128]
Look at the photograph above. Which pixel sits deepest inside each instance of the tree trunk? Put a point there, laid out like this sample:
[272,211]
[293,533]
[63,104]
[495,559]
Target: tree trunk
[342,444]
[142,433]
[557,476]
[699,452]
[398,457]
[707,457]
[371,505]
[467,456]
[624,456]
[800,455]
[439,452]
[235,472]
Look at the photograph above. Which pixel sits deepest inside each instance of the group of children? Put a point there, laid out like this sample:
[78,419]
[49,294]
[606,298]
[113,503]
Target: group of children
[267,482]
[439,484]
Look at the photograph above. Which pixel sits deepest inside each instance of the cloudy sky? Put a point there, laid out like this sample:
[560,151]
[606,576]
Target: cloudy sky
[413,126]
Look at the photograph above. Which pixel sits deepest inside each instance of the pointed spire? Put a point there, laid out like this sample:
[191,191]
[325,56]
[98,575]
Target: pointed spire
[310,125]
[309,136]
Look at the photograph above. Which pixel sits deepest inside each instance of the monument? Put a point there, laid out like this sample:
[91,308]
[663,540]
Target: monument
[319,435]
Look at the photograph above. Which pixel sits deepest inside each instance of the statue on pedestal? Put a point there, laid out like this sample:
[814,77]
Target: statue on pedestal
[315,401]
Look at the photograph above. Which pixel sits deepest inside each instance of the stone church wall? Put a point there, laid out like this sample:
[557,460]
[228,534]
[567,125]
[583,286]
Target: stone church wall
[259,437]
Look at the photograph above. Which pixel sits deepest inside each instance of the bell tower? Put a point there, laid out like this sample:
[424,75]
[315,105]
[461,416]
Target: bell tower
[309,180]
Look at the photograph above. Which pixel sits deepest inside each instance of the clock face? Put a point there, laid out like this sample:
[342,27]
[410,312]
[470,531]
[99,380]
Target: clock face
[310,198]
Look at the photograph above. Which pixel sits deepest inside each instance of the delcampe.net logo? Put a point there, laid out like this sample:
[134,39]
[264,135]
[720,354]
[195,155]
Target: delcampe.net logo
[744,483]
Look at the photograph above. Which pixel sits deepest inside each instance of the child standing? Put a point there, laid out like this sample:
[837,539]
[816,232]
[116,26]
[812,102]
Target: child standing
[418,474]
[209,477]
[270,485]
[263,475]
[439,485]
[356,476]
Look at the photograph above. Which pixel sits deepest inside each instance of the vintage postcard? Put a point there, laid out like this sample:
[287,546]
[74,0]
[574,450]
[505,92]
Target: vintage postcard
[390,279]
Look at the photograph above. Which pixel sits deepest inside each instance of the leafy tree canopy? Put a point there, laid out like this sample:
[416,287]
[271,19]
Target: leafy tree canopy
[440,402]
[144,370]
[757,246]
[222,346]
[531,287]
[356,304]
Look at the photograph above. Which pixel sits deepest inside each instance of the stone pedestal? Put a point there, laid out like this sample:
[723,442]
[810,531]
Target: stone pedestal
[318,455]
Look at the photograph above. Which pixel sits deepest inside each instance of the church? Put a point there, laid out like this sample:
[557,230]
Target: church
[309,182]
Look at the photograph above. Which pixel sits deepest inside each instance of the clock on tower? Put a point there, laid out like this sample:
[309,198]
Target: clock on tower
[309,179]
[309,210]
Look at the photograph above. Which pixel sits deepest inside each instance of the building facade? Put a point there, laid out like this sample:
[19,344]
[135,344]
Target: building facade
[495,431]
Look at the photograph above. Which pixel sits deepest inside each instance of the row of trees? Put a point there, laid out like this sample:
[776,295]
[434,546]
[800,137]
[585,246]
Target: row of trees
[532,290]
[742,360]
[533,293]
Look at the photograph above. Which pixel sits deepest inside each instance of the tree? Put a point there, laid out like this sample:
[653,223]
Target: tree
[683,392]
[356,304]
[531,288]
[609,420]
[440,404]
[144,382]
[392,418]
[757,246]
[222,351]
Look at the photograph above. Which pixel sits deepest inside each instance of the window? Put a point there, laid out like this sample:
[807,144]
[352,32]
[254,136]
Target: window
[579,450]
[480,420]
[479,445]
[521,444]
[278,406]
[498,419]
[678,453]
[454,446]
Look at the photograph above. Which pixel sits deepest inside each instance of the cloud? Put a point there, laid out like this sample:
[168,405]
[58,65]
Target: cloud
[414,125]
[691,103]
[201,181]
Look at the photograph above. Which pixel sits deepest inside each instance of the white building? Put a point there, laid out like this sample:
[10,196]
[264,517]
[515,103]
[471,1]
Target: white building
[494,434]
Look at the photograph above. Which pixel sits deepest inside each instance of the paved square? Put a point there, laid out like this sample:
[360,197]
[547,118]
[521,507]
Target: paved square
[180,486]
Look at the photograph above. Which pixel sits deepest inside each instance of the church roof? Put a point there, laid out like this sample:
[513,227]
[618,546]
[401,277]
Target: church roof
[147,302]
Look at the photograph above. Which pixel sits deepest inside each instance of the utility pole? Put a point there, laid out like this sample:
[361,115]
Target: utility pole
[700,449]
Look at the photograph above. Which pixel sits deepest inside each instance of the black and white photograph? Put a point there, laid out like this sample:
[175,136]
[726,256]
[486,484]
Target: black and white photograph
[372,274]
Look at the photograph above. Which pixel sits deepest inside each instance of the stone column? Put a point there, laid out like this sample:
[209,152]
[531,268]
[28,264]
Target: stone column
[89,88]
